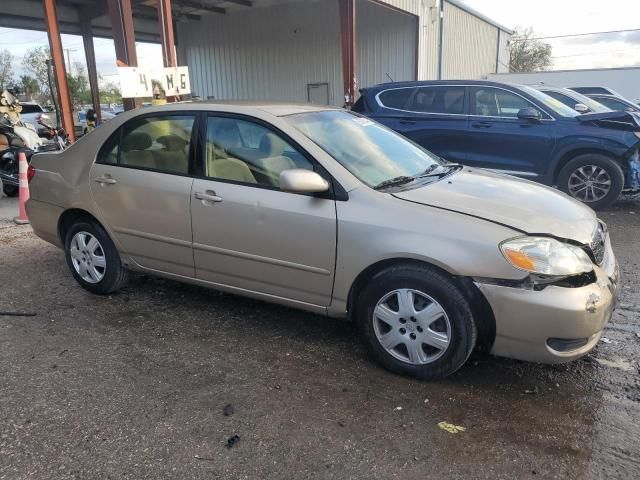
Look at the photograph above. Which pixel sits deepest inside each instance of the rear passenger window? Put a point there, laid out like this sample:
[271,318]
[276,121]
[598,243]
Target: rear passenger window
[396,98]
[248,152]
[158,143]
[448,100]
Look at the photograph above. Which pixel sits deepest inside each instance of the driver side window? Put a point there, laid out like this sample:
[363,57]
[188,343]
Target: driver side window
[247,152]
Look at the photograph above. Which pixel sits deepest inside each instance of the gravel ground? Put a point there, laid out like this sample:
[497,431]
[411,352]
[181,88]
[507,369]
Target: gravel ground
[135,386]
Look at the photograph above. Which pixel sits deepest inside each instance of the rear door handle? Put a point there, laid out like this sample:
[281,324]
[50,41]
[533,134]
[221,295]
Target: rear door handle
[208,196]
[407,122]
[481,125]
[106,180]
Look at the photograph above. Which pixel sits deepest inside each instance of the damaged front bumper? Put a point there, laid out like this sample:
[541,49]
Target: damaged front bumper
[553,324]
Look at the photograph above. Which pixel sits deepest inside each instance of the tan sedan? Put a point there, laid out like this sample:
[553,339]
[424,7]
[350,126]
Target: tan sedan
[323,210]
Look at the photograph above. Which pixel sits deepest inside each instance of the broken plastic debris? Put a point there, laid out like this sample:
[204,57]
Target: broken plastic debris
[398,408]
[450,427]
[605,340]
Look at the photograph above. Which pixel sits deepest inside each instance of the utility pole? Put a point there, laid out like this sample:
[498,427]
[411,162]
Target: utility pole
[69,59]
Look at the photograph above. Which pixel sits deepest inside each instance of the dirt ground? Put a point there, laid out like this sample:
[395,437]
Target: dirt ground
[135,386]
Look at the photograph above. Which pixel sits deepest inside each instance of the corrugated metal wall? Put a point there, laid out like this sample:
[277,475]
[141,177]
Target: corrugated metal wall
[274,52]
[386,44]
[505,53]
[427,11]
[264,53]
[470,45]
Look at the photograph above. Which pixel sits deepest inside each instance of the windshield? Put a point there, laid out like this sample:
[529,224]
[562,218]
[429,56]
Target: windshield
[371,152]
[556,105]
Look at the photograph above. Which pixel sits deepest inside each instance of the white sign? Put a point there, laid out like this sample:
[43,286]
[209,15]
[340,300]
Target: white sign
[147,82]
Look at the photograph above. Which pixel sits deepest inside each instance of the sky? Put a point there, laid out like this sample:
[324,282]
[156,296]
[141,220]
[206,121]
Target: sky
[564,17]
[18,42]
[547,17]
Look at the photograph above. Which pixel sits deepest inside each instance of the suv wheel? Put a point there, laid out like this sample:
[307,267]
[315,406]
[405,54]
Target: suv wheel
[93,259]
[594,179]
[416,322]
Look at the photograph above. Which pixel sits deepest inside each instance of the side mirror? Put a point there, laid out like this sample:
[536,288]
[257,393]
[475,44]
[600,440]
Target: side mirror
[529,113]
[581,108]
[302,181]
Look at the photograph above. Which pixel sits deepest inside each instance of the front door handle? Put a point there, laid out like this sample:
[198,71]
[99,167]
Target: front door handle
[407,122]
[208,196]
[106,180]
[481,125]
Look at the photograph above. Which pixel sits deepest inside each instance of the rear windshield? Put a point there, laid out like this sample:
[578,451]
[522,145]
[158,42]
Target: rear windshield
[31,108]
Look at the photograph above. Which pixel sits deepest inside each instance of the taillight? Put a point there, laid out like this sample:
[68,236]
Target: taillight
[31,172]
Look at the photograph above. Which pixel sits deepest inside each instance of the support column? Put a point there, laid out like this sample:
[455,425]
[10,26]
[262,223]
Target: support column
[165,21]
[348,35]
[60,72]
[90,55]
[124,38]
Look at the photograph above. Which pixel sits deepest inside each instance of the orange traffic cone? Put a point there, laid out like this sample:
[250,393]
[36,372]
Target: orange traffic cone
[23,166]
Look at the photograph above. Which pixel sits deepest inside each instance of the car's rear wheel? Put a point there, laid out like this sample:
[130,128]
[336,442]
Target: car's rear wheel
[10,190]
[93,259]
[415,321]
[594,179]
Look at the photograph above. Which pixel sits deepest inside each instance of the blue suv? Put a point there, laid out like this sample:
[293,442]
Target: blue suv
[517,130]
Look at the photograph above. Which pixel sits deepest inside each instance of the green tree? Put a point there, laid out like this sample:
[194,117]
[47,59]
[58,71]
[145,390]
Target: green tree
[527,53]
[110,93]
[35,62]
[6,70]
[29,86]
[79,86]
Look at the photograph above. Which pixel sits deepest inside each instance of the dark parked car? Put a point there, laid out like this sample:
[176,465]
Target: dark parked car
[616,103]
[517,130]
[579,102]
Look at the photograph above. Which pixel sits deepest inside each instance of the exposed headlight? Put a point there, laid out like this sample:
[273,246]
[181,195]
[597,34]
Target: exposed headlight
[546,256]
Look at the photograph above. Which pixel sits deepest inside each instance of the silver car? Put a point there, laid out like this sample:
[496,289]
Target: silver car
[327,211]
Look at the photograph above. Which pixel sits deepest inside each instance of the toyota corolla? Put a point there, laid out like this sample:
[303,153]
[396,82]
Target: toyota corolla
[330,212]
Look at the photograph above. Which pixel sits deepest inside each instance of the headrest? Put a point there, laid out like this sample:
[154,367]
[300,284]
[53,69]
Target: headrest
[172,143]
[136,141]
[272,145]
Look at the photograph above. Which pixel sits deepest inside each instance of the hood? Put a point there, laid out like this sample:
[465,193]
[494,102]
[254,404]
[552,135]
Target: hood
[516,203]
[629,121]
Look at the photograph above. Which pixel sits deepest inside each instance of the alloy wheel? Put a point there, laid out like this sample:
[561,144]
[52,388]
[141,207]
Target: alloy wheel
[411,326]
[589,183]
[87,257]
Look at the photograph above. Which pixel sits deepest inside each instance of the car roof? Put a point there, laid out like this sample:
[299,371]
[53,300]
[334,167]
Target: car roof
[426,83]
[278,109]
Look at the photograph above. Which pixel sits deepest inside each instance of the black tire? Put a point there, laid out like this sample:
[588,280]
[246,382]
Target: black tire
[10,190]
[115,276]
[440,288]
[612,169]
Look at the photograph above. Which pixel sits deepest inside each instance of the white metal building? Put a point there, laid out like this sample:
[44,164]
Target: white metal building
[294,49]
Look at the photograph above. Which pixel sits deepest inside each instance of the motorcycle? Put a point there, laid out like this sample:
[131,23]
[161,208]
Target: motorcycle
[16,137]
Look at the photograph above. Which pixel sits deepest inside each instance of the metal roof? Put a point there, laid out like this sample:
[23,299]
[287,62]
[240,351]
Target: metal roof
[482,17]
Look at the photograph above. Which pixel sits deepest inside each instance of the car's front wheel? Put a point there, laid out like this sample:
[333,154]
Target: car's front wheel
[93,259]
[416,321]
[594,179]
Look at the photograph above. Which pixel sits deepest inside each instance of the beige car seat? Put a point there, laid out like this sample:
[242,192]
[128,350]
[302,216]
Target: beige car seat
[221,165]
[134,150]
[273,162]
